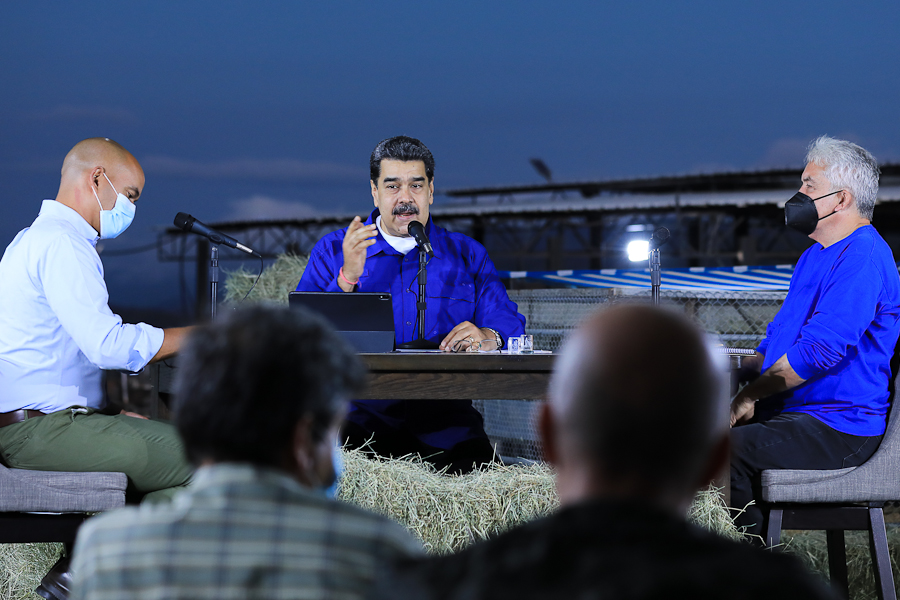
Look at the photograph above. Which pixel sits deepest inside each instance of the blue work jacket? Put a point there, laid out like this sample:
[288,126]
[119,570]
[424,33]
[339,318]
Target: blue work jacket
[462,285]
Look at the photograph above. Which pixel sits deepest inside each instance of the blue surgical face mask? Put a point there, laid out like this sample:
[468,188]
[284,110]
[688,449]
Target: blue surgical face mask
[114,222]
[337,462]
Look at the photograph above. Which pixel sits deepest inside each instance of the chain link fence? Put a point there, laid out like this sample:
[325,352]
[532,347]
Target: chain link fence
[736,319]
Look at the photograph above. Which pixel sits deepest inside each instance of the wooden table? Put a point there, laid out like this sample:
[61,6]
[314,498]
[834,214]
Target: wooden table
[432,376]
[439,376]
[464,376]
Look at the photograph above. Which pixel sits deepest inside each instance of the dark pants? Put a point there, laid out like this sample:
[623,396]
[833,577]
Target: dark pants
[446,433]
[787,441]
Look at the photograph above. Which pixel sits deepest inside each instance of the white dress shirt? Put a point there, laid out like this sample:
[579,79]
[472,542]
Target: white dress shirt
[56,328]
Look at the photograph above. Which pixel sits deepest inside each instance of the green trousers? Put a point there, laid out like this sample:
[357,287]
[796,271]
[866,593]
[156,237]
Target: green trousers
[150,453]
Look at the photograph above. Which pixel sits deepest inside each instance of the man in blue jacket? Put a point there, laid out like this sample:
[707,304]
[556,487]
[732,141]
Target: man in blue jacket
[467,305]
[822,399]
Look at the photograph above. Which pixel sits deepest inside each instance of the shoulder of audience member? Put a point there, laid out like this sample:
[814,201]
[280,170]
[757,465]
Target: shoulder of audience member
[359,520]
[459,575]
[524,562]
[101,525]
[386,538]
[742,570]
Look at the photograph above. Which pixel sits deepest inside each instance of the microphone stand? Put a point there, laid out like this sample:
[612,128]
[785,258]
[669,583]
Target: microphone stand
[421,303]
[213,279]
[659,237]
[654,276]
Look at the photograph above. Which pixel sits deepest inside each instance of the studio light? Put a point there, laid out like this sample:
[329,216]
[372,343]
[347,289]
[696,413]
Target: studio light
[638,250]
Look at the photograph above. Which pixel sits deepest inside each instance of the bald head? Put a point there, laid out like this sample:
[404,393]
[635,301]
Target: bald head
[93,152]
[637,402]
[83,186]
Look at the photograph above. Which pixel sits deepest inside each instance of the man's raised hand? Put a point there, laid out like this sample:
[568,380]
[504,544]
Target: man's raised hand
[358,238]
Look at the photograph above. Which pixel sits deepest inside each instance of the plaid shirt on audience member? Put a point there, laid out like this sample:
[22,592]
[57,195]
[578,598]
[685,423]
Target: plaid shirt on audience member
[238,532]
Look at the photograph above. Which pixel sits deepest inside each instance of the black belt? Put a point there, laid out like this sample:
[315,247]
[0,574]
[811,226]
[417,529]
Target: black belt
[17,416]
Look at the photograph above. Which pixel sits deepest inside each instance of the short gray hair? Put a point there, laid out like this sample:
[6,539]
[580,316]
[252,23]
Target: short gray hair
[848,167]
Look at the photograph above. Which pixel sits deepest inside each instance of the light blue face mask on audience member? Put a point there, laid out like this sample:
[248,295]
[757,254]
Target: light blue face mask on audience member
[338,462]
[114,222]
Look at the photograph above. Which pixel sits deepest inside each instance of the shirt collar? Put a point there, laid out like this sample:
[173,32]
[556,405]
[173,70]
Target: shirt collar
[223,473]
[434,233]
[56,210]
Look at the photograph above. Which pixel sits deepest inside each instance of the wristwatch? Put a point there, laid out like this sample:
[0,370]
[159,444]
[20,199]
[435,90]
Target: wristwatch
[497,337]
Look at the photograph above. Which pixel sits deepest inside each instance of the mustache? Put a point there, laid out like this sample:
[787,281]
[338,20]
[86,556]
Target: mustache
[405,208]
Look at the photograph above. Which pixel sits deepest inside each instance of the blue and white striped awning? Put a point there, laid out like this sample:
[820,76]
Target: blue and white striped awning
[695,278]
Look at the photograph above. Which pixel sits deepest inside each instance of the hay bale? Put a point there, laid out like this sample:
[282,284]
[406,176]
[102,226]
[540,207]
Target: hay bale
[22,566]
[448,513]
[811,548]
[276,281]
[709,510]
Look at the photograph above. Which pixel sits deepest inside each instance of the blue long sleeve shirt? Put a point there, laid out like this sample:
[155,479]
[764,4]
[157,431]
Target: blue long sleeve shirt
[838,327]
[462,283]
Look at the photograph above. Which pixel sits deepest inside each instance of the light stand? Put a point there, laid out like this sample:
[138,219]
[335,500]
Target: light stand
[421,304]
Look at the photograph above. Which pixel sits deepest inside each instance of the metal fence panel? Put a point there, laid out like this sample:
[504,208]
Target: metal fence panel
[736,319]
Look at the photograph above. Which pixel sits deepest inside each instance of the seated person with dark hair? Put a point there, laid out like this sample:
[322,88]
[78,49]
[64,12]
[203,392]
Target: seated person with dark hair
[259,400]
[467,305]
[631,447]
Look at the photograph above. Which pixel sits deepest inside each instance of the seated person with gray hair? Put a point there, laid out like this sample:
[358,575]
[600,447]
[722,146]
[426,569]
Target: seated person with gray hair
[636,424]
[259,401]
[821,401]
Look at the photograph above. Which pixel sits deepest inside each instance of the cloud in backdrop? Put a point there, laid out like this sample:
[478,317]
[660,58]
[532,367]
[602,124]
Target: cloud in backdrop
[264,208]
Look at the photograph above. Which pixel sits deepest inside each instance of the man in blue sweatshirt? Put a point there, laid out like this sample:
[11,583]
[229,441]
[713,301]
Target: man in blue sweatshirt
[822,397]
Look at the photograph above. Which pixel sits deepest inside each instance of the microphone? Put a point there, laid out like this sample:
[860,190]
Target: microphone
[659,238]
[417,230]
[190,224]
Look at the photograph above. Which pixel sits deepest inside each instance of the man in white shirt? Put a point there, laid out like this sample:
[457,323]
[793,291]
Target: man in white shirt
[57,333]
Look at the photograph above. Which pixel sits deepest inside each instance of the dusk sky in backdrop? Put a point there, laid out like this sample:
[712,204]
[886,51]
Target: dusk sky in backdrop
[241,110]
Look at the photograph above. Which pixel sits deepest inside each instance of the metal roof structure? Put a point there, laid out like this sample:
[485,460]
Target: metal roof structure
[670,193]
[740,181]
[716,220]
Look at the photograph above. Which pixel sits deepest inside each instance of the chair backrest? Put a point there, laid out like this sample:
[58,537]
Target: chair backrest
[881,473]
